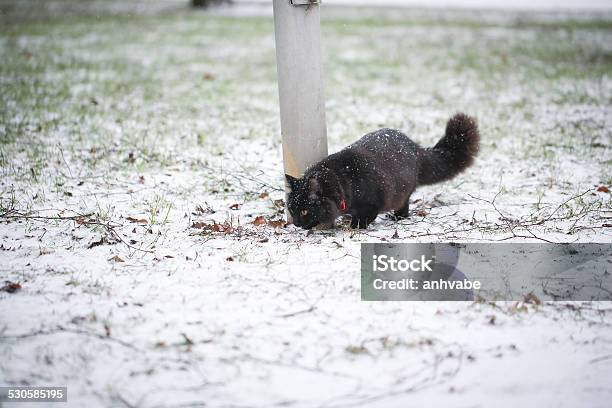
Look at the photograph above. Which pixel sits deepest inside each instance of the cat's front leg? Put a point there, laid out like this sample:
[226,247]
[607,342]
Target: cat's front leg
[364,216]
[402,212]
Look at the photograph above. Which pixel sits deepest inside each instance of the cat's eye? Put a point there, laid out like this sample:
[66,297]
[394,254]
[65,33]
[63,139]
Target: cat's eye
[304,213]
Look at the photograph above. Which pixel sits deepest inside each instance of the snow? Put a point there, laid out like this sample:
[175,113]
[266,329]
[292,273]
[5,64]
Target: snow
[260,316]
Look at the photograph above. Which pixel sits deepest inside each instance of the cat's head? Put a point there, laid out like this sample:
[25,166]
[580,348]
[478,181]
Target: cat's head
[310,204]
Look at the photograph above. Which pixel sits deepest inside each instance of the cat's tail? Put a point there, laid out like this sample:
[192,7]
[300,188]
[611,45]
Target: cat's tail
[454,153]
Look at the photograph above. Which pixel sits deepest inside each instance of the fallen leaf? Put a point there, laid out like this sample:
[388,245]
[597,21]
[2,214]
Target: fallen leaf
[225,227]
[421,213]
[208,76]
[10,287]
[214,227]
[264,195]
[116,258]
[200,210]
[276,224]
[260,220]
[603,189]
[234,206]
[200,225]
[137,220]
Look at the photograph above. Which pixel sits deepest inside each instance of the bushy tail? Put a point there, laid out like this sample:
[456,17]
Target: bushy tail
[454,153]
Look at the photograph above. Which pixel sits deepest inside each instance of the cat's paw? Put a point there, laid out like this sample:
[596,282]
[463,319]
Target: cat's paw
[397,217]
[359,223]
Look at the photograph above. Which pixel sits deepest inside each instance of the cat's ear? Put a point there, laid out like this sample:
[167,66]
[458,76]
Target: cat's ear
[314,188]
[291,181]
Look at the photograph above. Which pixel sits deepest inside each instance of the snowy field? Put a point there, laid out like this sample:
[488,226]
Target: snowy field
[143,256]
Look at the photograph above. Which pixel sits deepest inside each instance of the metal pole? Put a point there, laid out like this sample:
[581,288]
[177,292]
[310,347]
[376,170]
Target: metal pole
[300,83]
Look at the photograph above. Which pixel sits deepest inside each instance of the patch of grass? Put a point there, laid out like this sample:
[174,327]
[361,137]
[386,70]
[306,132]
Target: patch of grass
[159,208]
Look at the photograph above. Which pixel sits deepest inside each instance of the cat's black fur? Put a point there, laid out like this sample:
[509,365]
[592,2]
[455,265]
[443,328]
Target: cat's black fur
[378,173]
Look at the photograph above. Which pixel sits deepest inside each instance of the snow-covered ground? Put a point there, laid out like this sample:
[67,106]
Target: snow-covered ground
[137,152]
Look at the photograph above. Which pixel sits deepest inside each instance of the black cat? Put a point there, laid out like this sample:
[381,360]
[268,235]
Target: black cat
[378,173]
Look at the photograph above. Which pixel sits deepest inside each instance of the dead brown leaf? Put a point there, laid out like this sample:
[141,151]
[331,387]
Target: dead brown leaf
[603,189]
[201,210]
[276,223]
[10,287]
[200,225]
[225,227]
[141,221]
[259,220]
[116,258]
[422,213]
